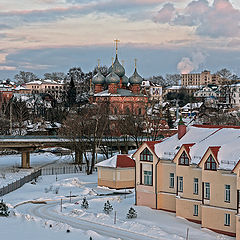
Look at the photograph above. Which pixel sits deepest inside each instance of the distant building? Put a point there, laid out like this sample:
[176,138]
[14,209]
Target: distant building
[176,89]
[122,94]
[198,79]
[153,90]
[54,88]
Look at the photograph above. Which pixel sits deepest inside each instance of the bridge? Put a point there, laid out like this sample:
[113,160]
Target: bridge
[28,144]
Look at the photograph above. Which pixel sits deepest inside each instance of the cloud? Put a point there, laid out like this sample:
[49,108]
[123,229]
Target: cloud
[187,65]
[165,14]
[76,8]
[220,19]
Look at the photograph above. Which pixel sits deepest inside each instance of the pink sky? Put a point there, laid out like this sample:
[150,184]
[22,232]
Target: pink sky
[184,26]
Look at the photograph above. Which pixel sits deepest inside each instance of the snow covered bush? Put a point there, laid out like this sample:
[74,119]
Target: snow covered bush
[4,209]
[84,203]
[107,207]
[132,213]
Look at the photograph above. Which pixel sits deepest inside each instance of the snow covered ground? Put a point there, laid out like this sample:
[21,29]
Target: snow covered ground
[47,221]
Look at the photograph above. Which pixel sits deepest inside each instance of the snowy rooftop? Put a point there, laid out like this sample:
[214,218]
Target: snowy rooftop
[119,160]
[228,139]
[120,92]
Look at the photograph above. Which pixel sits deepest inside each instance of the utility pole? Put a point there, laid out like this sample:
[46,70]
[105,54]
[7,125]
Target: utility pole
[10,130]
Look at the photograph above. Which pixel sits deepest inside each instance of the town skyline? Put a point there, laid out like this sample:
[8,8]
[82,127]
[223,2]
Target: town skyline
[165,36]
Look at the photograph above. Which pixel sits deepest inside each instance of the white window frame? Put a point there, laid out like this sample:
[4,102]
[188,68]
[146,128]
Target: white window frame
[207,190]
[147,178]
[227,219]
[227,193]
[195,210]
[171,180]
[195,186]
[180,181]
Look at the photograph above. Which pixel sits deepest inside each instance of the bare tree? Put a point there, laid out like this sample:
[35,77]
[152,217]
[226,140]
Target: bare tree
[24,77]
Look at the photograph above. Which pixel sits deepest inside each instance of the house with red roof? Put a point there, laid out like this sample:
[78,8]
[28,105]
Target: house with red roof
[117,172]
[195,174]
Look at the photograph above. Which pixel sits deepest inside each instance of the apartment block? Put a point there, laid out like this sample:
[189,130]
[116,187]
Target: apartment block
[195,174]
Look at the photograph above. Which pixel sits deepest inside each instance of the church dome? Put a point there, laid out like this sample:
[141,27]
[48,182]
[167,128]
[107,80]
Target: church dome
[98,78]
[125,80]
[135,78]
[117,68]
[112,78]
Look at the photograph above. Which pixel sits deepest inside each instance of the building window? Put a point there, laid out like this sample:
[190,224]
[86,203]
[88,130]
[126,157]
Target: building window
[180,181]
[115,111]
[139,111]
[195,210]
[146,155]
[227,193]
[227,219]
[195,188]
[207,191]
[148,178]
[210,164]
[183,160]
[171,180]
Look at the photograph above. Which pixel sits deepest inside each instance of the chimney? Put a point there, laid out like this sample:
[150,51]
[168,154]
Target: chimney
[182,129]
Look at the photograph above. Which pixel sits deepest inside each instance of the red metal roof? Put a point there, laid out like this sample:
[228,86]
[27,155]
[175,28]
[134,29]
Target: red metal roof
[123,161]
[187,147]
[151,144]
[215,151]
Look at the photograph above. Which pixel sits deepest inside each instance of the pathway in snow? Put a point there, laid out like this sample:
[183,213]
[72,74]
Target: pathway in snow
[48,212]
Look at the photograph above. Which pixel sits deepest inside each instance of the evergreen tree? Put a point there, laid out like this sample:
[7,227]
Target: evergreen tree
[84,203]
[107,207]
[4,209]
[71,93]
[132,213]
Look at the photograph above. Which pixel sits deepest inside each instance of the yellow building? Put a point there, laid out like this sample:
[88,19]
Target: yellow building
[117,172]
[198,79]
[196,174]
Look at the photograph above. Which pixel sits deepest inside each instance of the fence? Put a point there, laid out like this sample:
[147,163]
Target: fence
[19,183]
[67,169]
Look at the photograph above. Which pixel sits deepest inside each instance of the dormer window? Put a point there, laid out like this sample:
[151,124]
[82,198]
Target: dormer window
[183,160]
[146,155]
[210,164]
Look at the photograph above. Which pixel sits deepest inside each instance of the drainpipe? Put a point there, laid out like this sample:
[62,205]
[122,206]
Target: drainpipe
[156,183]
[135,184]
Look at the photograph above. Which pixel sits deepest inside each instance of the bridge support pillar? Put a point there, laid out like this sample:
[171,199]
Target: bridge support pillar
[25,159]
[124,149]
[78,157]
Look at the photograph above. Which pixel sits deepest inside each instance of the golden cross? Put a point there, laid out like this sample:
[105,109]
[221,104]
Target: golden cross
[116,41]
[112,61]
[98,63]
[135,60]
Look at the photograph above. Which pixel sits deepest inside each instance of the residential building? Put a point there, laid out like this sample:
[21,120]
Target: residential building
[54,88]
[197,79]
[196,174]
[117,172]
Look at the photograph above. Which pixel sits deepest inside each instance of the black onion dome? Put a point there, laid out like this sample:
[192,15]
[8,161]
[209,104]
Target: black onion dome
[110,69]
[98,78]
[135,78]
[118,68]
[112,78]
[125,80]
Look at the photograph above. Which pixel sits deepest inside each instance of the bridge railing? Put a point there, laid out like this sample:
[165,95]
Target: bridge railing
[19,183]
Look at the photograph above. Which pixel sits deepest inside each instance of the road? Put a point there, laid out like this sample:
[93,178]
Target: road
[47,211]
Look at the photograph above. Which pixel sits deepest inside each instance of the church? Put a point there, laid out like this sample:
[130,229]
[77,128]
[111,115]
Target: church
[123,94]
